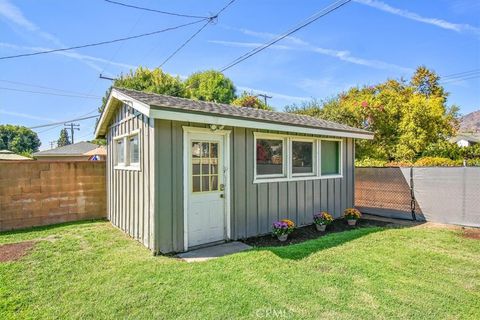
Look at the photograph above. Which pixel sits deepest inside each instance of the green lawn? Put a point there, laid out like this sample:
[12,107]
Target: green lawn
[92,270]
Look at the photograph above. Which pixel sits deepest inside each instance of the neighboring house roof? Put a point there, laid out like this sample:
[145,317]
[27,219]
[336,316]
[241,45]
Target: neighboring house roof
[466,136]
[172,108]
[100,151]
[71,150]
[9,155]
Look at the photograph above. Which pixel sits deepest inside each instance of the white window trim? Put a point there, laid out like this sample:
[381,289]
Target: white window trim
[314,155]
[285,155]
[287,161]
[126,152]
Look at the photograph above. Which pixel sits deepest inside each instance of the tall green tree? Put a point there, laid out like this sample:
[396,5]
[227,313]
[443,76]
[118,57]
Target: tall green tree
[144,79]
[64,139]
[249,100]
[405,117]
[210,86]
[18,139]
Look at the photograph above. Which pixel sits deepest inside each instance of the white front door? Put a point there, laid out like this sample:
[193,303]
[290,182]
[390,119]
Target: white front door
[206,215]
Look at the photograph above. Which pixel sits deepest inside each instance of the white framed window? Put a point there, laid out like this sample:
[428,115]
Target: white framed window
[270,156]
[127,151]
[289,158]
[330,157]
[303,157]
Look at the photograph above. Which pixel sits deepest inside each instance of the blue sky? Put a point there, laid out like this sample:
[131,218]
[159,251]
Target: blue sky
[364,42]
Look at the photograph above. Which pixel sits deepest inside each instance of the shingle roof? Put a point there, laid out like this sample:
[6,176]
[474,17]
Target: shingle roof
[9,155]
[76,149]
[181,104]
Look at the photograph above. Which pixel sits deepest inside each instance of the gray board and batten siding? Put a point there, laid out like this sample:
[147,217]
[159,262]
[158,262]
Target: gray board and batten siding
[253,206]
[130,193]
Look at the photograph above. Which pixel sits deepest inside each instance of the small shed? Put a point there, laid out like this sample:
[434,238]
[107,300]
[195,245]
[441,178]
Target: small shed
[80,151]
[7,155]
[186,173]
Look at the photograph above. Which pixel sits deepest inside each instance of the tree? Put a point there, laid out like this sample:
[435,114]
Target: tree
[143,79]
[405,117]
[249,100]
[18,139]
[64,139]
[210,86]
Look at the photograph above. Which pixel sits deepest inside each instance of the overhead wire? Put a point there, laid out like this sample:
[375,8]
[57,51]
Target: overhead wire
[210,20]
[103,42]
[155,10]
[332,7]
[51,93]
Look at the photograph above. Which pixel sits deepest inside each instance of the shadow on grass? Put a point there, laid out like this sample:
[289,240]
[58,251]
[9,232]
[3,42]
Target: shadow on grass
[302,250]
[50,227]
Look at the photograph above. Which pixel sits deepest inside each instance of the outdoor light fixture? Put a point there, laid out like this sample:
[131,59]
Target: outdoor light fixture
[215,127]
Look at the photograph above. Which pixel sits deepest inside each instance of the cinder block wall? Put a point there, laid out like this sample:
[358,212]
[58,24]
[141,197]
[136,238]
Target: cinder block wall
[36,193]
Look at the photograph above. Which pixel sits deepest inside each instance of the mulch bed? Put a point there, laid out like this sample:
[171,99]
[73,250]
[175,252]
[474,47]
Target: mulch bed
[310,232]
[472,233]
[14,251]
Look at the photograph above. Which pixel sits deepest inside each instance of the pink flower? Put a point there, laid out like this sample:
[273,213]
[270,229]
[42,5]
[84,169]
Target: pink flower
[364,104]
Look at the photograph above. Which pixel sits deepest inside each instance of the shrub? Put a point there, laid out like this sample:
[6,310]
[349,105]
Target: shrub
[404,163]
[437,162]
[351,214]
[282,227]
[443,149]
[367,162]
[473,162]
[322,218]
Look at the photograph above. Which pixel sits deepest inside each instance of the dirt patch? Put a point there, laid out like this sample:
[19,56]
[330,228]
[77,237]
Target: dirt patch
[310,232]
[14,251]
[472,233]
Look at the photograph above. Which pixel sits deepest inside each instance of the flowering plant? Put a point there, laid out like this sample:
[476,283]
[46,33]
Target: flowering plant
[282,227]
[352,214]
[322,218]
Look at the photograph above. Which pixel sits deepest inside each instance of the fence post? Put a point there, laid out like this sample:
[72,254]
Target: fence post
[412,195]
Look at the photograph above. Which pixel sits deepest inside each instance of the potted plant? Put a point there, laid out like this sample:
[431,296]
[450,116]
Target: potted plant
[352,215]
[322,219]
[282,229]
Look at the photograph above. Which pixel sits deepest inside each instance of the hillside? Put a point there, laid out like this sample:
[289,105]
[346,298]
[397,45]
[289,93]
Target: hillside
[470,122]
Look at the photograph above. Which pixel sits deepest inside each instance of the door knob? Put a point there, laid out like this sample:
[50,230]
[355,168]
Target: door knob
[222,196]
[222,187]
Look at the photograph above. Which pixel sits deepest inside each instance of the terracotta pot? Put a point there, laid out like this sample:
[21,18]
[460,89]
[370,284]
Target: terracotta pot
[283,237]
[321,227]
[352,222]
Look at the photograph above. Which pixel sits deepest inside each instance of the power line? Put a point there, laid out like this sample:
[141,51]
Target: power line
[52,94]
[334,6]
[474,76]
[210,20]
[460,74]
[48,88]
[63,122]
[155,10]
[102,42]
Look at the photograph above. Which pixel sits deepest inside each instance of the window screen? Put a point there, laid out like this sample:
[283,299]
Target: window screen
[302,157]
[269,157]
[330,155]
[134,150]
[120,151]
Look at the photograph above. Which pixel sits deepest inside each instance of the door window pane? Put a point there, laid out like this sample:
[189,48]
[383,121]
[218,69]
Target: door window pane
[302,157]
[204,166]
[330,157]
[269,157]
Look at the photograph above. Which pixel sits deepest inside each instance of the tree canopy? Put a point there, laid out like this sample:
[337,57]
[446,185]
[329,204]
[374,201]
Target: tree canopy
[405,117]
[210,85]
[18,139]
[206,85]
[64,139]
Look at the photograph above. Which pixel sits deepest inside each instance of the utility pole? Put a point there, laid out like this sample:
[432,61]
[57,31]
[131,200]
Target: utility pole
[105,77]
[52,143]
[73,127]
[264,96]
